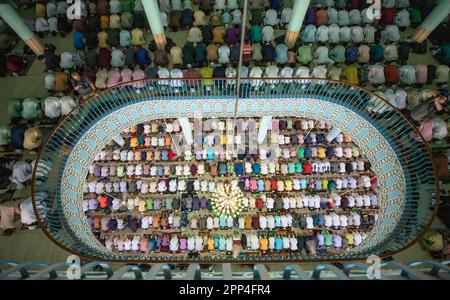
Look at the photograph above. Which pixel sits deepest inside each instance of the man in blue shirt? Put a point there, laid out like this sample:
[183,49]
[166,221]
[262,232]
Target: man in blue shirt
[307,152]
[278,243]
[376,53]
[268,52]
[142,57]
[308,140]
[331,186]
[351,54]
[187,18]
[239,169]
[78,40]
[151,73]
[256,168]
[17,135]
[222,168]
[235,53]
[274,4]
[303,184]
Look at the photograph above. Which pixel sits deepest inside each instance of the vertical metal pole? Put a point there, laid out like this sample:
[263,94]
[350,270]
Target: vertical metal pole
[238,82]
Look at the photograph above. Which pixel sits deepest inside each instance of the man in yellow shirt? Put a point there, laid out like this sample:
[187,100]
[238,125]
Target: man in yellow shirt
[288,185]
[134,142]
[349,237]
[141,207]
[324,184]
[149,155]
[321,152]
[137,37]
[40,10]
[154,127]
[32,138]
[206,73]
[223,139]
[350,74]
[102,37]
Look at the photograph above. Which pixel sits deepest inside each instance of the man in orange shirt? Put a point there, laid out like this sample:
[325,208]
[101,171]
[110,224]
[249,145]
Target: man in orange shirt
[263,244]
[156,221]
[248,223]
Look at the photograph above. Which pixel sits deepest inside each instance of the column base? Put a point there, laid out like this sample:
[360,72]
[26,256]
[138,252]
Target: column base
[421,35]
[35,44]
[160,40]
[291,38]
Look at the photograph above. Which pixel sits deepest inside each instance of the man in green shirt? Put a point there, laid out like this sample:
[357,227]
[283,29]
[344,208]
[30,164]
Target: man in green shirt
[188,53]
[31,109]
[200,54]
[338,54]
[169,204]
[5,135]
[114,37]
[149,203]
[328,238]
[257,16]
[304,55]
[256,34]
[226,18]
[127,5]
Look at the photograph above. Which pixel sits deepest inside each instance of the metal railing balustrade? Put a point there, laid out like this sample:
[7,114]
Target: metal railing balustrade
[421,199]
[390,270]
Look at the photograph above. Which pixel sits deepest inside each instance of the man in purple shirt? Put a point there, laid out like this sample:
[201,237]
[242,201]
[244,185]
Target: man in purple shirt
[195,203]
[93,204]
[232,35]
[337,241]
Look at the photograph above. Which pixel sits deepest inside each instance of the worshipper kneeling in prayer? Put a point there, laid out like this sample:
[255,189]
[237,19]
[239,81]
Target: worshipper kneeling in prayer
[81,85]
[434,104]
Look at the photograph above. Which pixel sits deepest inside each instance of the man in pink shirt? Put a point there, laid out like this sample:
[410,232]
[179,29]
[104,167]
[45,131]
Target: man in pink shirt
[138,74]
[127,75]
[421,74]
[114,78]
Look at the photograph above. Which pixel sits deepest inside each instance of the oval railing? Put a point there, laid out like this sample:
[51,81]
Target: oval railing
[407,220]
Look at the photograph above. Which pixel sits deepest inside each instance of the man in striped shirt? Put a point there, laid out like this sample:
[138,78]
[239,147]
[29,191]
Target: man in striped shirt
[369,33]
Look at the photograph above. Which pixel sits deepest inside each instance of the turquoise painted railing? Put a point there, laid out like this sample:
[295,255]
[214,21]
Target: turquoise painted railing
[65,224]
[389,270]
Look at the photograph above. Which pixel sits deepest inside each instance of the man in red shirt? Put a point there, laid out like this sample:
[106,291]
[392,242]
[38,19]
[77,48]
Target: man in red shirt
[307,168]
[388,16]
[191,74]
[259,203]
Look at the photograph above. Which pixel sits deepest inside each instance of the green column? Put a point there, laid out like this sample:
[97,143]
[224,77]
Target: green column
[295,24]
[298,15]
[152,11]
[9,14]
[437,15]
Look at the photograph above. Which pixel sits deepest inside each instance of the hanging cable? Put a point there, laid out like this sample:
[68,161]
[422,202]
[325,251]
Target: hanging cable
[238,81]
